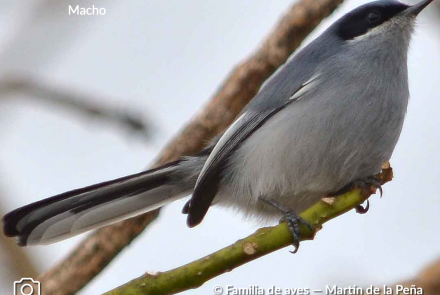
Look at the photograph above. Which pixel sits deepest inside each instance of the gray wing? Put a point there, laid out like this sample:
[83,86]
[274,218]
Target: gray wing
[209,179]
[287,85]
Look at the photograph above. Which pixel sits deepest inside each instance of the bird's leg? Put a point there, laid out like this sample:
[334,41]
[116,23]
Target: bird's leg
[292,219]
[362,183]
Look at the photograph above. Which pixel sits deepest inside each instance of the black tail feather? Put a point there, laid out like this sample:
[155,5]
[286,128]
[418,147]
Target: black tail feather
[22,221]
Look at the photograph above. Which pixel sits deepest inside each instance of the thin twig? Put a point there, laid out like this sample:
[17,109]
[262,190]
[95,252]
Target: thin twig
[73,100]
[99,249]
[262,242]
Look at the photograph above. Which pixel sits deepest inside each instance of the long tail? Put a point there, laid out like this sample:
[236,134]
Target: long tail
[74,212]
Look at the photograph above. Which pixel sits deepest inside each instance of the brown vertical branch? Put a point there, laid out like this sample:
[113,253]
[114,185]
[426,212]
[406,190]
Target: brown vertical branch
[428,279]
[99,249]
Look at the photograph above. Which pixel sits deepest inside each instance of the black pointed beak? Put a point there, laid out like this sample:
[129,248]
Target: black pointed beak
[416,9]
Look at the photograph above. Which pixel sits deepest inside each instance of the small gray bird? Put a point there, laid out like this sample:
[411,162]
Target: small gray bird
[326,120]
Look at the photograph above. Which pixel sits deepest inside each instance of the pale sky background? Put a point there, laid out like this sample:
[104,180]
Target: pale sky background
[164,60]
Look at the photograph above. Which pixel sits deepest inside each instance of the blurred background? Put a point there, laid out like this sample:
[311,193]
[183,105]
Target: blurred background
[85,99]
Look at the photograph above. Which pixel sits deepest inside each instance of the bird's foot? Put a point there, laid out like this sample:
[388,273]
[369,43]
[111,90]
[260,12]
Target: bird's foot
[361,209]
[365,183]
[293,222]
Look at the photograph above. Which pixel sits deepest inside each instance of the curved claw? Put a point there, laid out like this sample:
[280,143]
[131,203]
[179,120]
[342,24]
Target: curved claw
[376,184]
[362,210]
[293,222]
[380,190]
[296,247]
[361,183]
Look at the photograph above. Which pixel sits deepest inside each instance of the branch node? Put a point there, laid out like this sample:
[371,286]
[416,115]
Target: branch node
[250,248]
[152,273]
[328,200]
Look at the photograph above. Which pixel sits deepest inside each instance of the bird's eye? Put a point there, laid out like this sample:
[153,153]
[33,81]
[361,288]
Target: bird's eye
[373,17]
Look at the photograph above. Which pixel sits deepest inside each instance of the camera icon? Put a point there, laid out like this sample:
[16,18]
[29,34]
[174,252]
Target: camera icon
[27,286]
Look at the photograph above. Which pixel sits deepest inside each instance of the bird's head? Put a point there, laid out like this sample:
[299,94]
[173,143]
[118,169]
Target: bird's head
[378,20]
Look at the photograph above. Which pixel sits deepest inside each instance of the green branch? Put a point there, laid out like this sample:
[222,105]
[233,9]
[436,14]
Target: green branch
[262,242]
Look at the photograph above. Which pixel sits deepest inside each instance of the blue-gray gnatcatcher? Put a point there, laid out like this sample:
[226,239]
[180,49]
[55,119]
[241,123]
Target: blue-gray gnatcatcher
[325,120]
